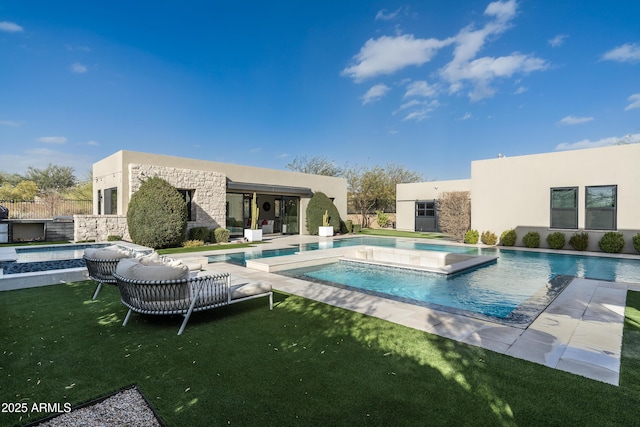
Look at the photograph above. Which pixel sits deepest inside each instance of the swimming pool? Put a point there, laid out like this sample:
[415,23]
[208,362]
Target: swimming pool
[45,258]
[513,290]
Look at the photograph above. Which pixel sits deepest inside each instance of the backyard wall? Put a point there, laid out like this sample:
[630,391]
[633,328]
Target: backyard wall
[99,227]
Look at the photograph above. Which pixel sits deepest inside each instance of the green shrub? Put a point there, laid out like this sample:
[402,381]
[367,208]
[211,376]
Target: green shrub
[157,215]
[199,233]
[349,226]
[382,219]
[532,239]
[556,240]
[220,235]
[579,241]
[636,242]
[114,238]
[508,237]
[357,228]
[471,237]
[192,243]
[318,205]
[611,242]
[489,238]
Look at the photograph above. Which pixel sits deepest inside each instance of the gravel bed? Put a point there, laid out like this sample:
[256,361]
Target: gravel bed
[126,408]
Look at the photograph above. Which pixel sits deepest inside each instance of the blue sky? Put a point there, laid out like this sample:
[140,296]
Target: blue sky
[431,85]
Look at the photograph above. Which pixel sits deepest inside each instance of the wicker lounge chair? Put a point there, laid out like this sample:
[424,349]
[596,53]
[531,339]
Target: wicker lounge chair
[183,295]
[101,264]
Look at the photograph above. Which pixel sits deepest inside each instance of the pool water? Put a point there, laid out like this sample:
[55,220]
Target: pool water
[514,289]
[45,258]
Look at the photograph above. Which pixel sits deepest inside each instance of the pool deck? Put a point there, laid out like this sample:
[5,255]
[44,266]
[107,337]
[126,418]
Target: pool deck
[579,332]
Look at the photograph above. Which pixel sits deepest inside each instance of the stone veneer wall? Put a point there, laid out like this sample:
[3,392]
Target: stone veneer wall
[208,204]
[99,227]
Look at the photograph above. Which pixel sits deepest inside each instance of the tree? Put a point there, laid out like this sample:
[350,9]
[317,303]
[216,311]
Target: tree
[316,166]
[82,191]
[318,205]
[10,178]
[365,187]
[454,213]
[52,178]
[22,191]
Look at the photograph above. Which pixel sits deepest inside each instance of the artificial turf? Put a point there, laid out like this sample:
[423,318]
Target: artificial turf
[304,363]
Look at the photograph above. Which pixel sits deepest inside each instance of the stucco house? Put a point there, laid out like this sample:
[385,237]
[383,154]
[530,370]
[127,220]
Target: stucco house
[594,190]
[217,194]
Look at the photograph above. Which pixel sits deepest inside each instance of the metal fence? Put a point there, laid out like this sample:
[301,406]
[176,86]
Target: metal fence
[47,208]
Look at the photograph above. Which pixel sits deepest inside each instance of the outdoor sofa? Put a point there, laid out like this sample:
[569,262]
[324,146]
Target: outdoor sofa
[102,262]
[161,287]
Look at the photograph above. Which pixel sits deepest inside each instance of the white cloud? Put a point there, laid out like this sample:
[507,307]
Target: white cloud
[520,90]
[93,143]
[386,55]
[604,142]
[375,93]
[635,102]
[419,110]
[53,139]
[420,88]
[502,10]
[10,27]
[384,15]
[10,123]
[573,120]
[558,40]
[78,68]
[629,52]
[466,116]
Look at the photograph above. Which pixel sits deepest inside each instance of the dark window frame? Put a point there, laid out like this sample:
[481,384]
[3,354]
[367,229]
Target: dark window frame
[423,210]
[110,199]
[553,209]
[590,212]
[187,196]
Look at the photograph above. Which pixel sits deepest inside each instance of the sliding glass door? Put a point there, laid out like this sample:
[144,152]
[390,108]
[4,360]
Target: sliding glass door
[290,215]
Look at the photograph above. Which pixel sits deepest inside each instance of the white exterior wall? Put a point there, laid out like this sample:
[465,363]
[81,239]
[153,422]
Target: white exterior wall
[408,194]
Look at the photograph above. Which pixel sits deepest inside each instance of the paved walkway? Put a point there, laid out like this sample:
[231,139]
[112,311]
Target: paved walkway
[580,332]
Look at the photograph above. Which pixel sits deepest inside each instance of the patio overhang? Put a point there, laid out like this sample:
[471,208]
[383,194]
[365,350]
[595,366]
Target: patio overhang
[249,187]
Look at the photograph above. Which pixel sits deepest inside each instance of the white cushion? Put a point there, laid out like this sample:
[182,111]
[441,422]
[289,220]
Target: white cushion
[249,289]
[110,252]
[133,269]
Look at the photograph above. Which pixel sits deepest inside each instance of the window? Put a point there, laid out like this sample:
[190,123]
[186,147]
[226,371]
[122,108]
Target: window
[564,207]
[426,209]
[111,201]
[99,202]
[187,195]
[601,207]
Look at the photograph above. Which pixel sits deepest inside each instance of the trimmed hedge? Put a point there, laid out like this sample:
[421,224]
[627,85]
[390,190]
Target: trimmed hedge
[532,239]
[157,215]
[199,233]
[579,241]
[611,242]
[556,240]
[471,237]
[636,242]
[220,235]
[508,238]
[489,238]
[318,205]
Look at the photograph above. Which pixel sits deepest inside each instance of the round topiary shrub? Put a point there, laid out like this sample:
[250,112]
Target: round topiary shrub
[579,241]
[157,215]
[532,239]
[556,240]
[508,238]
[489,238]
[221,235]
[636,242]
[611,242]
[318,205]
[471,237]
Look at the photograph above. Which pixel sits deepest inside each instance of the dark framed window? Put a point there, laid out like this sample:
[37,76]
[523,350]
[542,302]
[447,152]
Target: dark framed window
[601,207]
[426,209]
[99,202]
[111,201]
[564,207]
[187,195]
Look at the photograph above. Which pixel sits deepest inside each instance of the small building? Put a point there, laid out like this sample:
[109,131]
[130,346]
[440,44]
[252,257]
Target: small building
[217,194]
[594,190]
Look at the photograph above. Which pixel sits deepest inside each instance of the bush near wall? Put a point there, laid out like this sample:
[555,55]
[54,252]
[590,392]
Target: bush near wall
[611,242]
[579,241]
[532,239]
[157,215]
[471,237]
[508,238]
[318,205]
[556,240]
[636,242]
[199,233]
[489,238]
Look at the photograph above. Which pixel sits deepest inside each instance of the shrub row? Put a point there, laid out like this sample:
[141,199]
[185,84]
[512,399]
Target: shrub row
[212,235]
[611,242]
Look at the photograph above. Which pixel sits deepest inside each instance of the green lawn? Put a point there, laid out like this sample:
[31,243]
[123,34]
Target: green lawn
[304,363]
[396,233]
